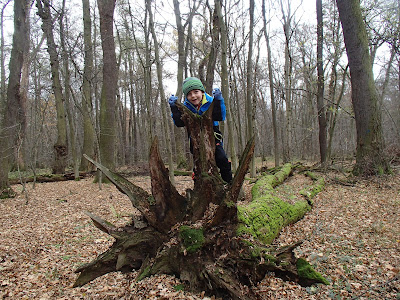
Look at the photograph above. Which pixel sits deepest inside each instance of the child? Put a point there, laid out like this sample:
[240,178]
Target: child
[198,101]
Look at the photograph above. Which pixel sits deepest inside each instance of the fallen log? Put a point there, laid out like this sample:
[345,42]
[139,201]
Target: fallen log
[198,237]
[267,214]
[51,178]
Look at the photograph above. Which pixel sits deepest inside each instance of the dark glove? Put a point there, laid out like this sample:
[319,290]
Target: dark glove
[172,100]
[217,94]
[219,106]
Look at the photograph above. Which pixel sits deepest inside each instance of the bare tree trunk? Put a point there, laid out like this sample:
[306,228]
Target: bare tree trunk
[147,77]
[181,66]
[14,117]
[225,83]
[249,87]
[67,86]
[212,57]
[87,104]
[133,135]
[271,88]
[287,91]
[166,123]
[370,158]
[387,73]
[320,84]
[334,101]
[108,91]
[21,155]
[2,61]
[334,115]
[61,145]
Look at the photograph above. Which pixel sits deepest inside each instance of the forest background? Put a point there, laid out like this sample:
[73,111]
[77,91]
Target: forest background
[107,97]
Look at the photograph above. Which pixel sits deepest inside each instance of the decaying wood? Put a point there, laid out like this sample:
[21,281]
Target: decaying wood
[51,178]
[195,237]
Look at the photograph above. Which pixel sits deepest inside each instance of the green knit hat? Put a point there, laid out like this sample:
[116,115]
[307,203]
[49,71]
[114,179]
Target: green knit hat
[192,83]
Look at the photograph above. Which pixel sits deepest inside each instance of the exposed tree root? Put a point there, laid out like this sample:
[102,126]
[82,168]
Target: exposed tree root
[203,238]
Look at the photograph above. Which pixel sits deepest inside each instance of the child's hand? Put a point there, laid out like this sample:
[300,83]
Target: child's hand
[172,100]
[217,94]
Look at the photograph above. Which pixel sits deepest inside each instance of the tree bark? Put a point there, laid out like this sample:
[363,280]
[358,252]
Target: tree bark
[61,146]
[14,115]
[147,76]
[321,82]
[249,86]
[225,84]
[212,56]
[2,60]
[179,136]
[67,93]
[166,122]
[287,136]
[271,88]
[370,158]
[87,104]
[109,88]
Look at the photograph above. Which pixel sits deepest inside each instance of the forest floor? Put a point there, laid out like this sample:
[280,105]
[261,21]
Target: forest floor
[351,236]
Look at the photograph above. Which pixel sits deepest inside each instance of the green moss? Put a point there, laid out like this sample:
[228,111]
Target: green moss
[230,204]
[270,258]
[311,175]
[256,252]
[267,214]
[181,162]
[265,217]
[151,200]
[145,273]
[179,287]
[266,184]
[247,243]
[8,193]
[182,173]
[311,191]
[305,270]
[193,239]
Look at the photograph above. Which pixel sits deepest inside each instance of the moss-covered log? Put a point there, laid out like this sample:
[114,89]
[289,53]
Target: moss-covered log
[201,238]
[267,213]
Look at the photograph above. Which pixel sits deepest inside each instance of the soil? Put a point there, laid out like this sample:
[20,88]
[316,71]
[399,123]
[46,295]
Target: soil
[351,236]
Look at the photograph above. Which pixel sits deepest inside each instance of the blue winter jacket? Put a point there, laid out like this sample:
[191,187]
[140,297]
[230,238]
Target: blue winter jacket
[219,112]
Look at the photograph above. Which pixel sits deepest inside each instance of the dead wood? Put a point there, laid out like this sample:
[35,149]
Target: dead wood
[195,237]
[51,178]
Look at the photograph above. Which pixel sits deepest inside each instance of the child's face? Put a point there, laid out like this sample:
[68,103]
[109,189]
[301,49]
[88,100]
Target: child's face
[195,97]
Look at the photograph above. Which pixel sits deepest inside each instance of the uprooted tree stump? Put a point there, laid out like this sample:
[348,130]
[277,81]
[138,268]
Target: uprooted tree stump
[199,238]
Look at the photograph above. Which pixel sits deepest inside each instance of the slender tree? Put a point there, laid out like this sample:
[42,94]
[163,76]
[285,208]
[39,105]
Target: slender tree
[109,87]
[14,116]
[370,158]
[2,58]
[249,86]
[214,49]
[24,87]
[87,104]
[334,97]
[61,146]
[67,94]
[181,66]
[271,87]
[225,82]
[166,123]
[287,93]
[320,84]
